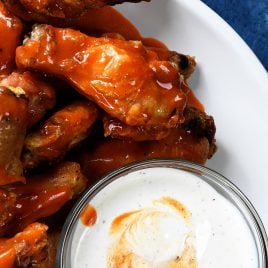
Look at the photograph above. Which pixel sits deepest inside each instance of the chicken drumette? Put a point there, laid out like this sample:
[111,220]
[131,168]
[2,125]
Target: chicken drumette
[62,131]
[124,78]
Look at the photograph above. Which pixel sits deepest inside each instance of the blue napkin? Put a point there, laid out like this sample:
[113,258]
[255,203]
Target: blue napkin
[249,18]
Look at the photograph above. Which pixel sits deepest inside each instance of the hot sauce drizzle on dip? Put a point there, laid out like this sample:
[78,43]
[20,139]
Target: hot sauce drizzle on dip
[139,237]
[88,216]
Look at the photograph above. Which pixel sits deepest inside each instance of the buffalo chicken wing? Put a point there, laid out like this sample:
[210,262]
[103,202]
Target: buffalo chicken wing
[42,196]
[109,154]
[65,129]
[124,78]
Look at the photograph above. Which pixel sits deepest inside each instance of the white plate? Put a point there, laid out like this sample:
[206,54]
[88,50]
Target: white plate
[230,82]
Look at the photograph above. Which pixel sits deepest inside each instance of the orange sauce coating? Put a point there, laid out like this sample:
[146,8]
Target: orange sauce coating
[45,203]
[10,31]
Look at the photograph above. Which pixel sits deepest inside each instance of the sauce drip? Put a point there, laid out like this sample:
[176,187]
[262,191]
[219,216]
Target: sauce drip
[88,216]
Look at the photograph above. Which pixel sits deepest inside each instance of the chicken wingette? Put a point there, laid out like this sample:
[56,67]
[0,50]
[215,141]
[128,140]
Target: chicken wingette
[59,133]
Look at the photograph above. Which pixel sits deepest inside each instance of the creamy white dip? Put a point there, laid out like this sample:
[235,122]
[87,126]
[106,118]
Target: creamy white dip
[163,217]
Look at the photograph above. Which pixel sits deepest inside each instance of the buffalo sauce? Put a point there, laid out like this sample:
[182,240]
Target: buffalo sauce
[88,216]
[118,221]
[31,207]
[7,255]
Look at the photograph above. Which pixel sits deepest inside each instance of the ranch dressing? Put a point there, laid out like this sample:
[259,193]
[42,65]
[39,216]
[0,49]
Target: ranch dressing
[163,217]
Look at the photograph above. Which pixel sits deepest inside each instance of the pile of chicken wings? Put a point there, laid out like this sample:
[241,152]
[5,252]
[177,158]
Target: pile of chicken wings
[80,95]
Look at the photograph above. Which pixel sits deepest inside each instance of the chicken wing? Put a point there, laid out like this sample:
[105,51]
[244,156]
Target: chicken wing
[40,94]
[25,249]
[42,196]
[122,77]
[110,154]
[10,33]
[65,129]
[13,123]
[62,8]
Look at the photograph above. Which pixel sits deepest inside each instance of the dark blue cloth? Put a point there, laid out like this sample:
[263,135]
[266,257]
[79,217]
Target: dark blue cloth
[249,18]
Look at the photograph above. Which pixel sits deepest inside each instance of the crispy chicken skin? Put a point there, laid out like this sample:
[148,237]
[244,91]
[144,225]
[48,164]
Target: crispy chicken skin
[109,154]
[10,33]
[26,249]
[122,77]
[63,8]
[62,131]
[13,123]
[40,94]
[43,195]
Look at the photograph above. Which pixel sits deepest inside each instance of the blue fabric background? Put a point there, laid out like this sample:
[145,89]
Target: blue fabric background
[249,18]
